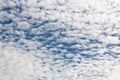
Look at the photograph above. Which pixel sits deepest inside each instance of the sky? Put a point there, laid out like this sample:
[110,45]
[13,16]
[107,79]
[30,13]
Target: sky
[59,40]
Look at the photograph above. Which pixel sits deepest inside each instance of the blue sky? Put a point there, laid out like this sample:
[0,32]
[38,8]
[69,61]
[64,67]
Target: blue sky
[59,40]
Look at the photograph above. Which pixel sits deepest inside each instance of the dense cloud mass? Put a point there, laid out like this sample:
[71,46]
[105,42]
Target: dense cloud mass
[59,40]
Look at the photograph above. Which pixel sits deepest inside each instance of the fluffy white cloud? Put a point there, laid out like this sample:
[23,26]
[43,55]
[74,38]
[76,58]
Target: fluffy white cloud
[59,39]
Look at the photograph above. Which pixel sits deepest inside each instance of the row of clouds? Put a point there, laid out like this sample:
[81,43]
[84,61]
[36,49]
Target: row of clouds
[59,39]
[80,26]
[19,64]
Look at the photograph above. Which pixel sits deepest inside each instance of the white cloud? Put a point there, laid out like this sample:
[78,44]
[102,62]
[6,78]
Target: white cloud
[76,29]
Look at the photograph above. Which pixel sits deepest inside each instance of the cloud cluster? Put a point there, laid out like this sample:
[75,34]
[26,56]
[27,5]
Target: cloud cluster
[59,39]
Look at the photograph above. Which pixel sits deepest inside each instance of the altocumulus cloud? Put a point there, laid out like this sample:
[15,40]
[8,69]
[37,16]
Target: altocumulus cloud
[59,40]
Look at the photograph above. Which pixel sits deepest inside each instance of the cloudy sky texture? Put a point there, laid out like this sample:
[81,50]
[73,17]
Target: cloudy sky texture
[59,40]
